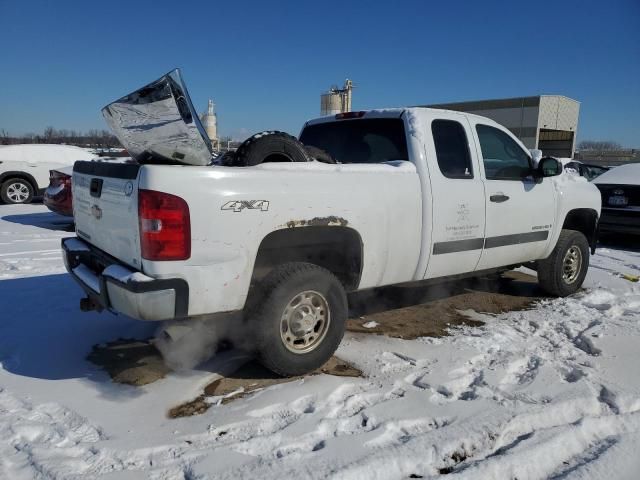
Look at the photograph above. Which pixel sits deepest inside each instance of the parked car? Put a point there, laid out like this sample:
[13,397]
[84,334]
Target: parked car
[57,197]
[585,170]
[402,195]
[620,189]
[24,169]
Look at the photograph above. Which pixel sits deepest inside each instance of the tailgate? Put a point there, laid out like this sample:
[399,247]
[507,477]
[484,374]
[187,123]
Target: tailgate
[105,207]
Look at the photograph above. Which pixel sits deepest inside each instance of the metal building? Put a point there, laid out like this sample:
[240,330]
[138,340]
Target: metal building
[547,122]
[336,100]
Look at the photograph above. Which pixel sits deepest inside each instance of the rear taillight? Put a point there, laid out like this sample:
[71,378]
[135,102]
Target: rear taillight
[57,178]
[165,227]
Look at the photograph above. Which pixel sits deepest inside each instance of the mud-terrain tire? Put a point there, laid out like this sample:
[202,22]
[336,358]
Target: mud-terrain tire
[270,147]
[319,154]
[297,303]
[16,190]
[563,272]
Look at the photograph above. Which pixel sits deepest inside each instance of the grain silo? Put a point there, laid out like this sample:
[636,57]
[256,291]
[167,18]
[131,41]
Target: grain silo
[336,100]
[210,124]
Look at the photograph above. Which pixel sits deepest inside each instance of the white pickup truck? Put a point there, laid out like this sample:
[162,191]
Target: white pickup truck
[400,195]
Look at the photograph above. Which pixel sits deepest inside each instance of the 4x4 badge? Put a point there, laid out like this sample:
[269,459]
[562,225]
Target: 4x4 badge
[239,205]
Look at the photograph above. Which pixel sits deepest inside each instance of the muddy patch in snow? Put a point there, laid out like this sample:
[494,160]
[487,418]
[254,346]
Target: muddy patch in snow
[402,312]
[129,361]
[138,362]
[410,312]
[250,378]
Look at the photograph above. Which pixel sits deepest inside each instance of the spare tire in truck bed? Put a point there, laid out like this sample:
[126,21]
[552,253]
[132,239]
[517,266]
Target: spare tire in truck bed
[268,147]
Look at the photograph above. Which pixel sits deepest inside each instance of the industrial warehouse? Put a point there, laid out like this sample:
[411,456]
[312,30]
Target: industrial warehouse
[546,122]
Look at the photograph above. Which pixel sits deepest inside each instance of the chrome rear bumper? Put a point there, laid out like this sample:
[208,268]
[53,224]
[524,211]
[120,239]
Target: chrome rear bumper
[116,287]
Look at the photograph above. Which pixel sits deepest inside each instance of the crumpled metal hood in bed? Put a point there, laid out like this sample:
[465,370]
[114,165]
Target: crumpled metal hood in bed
[158,124]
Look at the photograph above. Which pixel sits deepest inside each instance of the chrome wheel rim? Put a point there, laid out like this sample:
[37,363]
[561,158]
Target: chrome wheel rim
[18,192]
[571,264]
[305,321]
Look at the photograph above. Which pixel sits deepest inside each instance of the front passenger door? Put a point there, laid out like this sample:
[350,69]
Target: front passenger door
[520,209]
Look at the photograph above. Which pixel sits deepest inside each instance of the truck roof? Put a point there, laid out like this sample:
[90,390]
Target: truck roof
[394,113]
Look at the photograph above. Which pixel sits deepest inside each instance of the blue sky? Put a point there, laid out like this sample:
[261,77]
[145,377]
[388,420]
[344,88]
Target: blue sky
[266,63]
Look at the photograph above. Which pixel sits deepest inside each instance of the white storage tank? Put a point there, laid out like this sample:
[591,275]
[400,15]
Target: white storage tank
[210,123]
[336,100]
[330,103]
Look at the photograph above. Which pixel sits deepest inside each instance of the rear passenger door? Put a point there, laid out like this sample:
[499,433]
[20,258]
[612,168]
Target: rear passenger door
[520,209]
[458,206]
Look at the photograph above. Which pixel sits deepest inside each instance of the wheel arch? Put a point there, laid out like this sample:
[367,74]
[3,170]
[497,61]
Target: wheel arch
[585,221]
[339,249]
[4,176]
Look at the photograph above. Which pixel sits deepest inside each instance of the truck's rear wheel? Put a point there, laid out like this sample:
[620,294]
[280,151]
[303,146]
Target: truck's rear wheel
[299,318]
[16,190]
[563,272]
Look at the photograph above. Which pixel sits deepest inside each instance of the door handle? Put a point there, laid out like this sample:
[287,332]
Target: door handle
[499,198]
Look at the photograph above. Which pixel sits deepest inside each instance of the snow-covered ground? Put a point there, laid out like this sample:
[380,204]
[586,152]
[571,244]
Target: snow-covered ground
[552,392]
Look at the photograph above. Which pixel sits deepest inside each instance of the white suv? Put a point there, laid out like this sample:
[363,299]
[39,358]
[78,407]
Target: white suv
[24,169]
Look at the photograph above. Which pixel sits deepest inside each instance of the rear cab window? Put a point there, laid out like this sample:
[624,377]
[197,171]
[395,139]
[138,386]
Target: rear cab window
[366,140]
[452,149]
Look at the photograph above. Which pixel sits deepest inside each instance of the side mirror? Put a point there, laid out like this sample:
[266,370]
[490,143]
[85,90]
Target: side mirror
[536,156]
[549,167]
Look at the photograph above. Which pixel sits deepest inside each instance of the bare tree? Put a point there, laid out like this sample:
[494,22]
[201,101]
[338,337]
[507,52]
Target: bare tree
[93,138]
[599,145]
[49,134]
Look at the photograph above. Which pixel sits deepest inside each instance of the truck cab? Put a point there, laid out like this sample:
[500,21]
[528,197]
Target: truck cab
[485,200]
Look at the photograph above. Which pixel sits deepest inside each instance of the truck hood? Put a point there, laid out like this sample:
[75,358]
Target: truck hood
[158,124]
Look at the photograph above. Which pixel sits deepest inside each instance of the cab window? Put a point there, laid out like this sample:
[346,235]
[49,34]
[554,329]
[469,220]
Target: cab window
[452,149]
[503,158]
[368,140]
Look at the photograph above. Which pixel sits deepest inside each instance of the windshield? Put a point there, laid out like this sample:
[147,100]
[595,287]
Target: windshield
[593,171]
[371,140]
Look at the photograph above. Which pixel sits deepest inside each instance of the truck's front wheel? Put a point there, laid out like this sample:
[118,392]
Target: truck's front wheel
[299,317]
[563,272]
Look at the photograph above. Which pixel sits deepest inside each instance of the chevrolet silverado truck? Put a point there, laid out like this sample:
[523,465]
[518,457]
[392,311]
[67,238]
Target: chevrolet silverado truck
[283,228]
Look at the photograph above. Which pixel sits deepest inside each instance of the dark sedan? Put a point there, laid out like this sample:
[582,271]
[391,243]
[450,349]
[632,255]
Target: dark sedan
[620,190]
